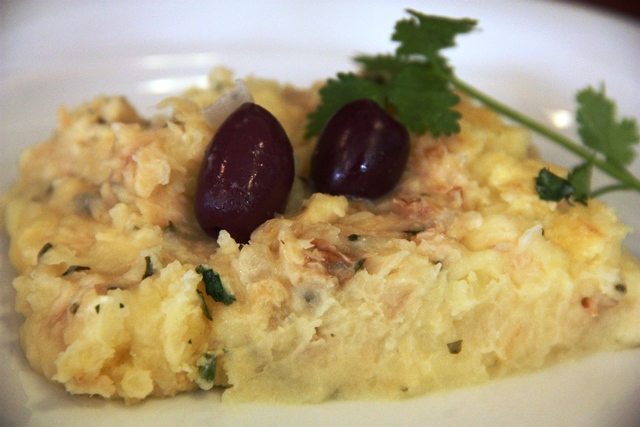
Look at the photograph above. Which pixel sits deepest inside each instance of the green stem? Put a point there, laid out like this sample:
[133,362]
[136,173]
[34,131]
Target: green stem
[609,189]
[627,180]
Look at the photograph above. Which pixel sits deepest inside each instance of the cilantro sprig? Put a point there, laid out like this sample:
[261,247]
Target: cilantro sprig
[417,84]
[414,82]
[606,140]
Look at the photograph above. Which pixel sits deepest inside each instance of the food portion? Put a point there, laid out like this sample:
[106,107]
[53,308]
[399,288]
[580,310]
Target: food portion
[285,253]
[460,274]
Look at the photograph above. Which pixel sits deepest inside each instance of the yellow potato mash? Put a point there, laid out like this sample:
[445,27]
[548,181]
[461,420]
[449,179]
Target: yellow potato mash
[460,275]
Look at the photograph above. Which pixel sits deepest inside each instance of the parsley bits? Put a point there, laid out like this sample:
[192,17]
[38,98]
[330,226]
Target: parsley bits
[213,286]
[206,370]
[45,248]
[74,268]
[455,347]
[149,268]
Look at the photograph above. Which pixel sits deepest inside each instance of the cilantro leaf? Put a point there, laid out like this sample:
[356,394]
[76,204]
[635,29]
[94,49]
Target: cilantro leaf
[381,67]
[417,84]
[423,101]
[413,82]
[338,92]
[600,130]
[580,179]
[427,35]
[214,287]
[553,187]
[576,186]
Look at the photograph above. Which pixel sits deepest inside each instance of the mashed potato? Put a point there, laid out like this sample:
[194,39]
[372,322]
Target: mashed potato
[461,275]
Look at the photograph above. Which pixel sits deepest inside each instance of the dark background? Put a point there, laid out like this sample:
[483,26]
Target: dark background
[629,8]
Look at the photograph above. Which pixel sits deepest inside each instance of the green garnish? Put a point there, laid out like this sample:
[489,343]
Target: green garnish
[213,285]
[413,232]
[611,140]
[552,187]
[73,308]
[359,264]
[336,93]
[417,84]
[205,307]
[621,287]
[414,82]
[206,370]
[74,268]
[455,347]
[602,131]
[149,269]
[45,248]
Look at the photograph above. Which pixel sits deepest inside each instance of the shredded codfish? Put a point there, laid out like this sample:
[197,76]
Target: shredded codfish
[460,275]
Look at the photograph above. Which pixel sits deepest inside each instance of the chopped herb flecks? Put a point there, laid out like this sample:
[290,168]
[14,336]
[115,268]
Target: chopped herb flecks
[149,270]
[359,264]
[214,287]
[553,187]
[73,309]
[455,347]
[413,232]
[98,308]
[44,249]
[205,307]
[74,268]
[206,370]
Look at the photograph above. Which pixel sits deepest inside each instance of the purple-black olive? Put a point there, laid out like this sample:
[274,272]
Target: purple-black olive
[246,174]
[361,152]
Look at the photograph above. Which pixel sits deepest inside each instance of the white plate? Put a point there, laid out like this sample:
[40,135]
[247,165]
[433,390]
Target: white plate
[533,55]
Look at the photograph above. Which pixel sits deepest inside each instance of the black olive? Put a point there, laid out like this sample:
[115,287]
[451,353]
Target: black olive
[361,152]
[246,174]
